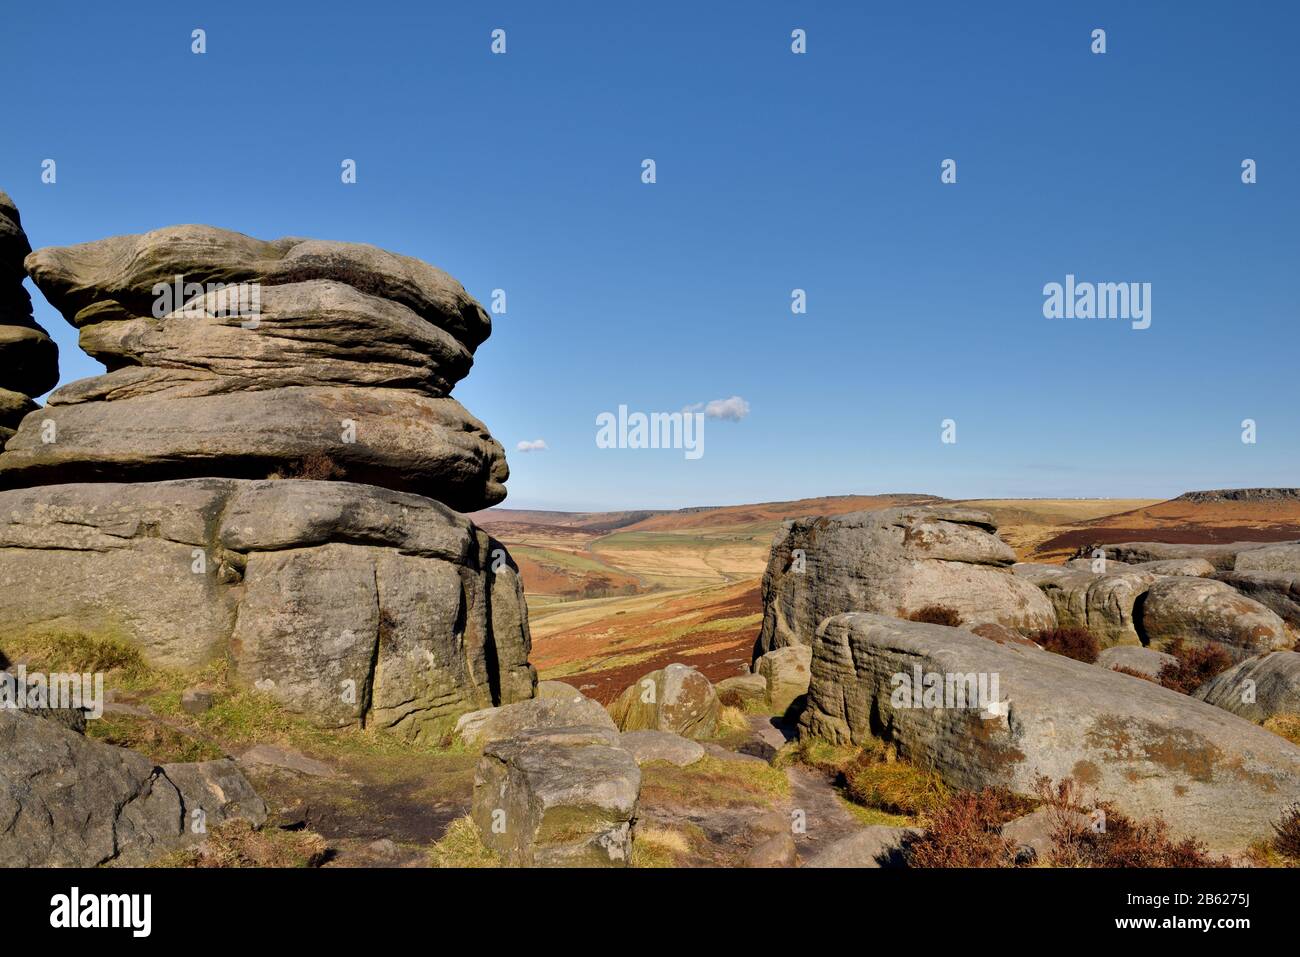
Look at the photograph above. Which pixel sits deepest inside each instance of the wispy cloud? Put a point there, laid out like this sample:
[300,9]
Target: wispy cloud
[536,445]
[731,410]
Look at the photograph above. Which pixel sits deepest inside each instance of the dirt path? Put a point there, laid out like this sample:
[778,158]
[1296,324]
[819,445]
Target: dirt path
[825,818]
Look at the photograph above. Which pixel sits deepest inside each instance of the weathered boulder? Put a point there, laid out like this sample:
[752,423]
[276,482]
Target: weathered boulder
[1279,591]
[1149,750]
[1189,567]
[676,698]
[744,689]
[895,562]
[776,851]
[874,846]
[1145,661]
[1221,556]
[785,670]
[116,276]
[480,728]
[556,689]
[647,746]
[1200,610]
[349,604]
[1257,688]
[68,801]
[1281,557]
[557,799]
[392,438]
[1103,604]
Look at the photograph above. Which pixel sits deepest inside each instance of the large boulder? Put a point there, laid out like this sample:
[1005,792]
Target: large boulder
[67,801]
[877,845]
[1103,604]
[1279,591]
[349,604]
[676,698]
[1257,688]
[785,670]
[1282,557]
[562,798]
[1199,610]
[894,562]
[647,746]
[1145,748]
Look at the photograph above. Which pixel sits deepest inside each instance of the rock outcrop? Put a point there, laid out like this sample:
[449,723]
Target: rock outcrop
[67,801]
[1223,557]
[676,698]
[1258,688]
[228,356]
[895,561]
[349,603]
[1279,591]
[29,359]
[1149,750]
[1103,604]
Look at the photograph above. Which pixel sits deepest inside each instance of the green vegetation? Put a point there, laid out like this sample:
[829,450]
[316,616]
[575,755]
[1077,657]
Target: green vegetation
[714,783]
[461,847]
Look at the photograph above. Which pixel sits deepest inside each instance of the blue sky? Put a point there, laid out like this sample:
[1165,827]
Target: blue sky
[775,171]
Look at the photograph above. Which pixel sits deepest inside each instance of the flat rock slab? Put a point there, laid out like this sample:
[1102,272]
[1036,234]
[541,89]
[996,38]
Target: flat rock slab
[480,728]
[875,846]
[895,561]
[647,746]
[285,759]
[1149,750]
[1257,688]
[1146,661]
[542,802]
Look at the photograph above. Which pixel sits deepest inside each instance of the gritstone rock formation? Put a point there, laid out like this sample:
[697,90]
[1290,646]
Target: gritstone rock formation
[29,359]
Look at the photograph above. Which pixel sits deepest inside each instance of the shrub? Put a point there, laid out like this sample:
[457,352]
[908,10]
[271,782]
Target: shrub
[967,831]
[1196,665]
[936,615]
[1077,643]
[1120,841]
[1286,833]
[317,466]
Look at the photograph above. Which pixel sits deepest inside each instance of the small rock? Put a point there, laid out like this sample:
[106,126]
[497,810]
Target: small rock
[746,688]
[275,756]
[556,689]
[196,700]
[776,851]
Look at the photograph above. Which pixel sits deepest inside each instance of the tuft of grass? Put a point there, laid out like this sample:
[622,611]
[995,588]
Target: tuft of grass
[1286,834]
[894,786]
[714,783]
[1196,665]
[866,816]
[157,741]
[460,847]
[238,844]
[659,847]
[1285,724]
[73,651]
[936,615]
[1077,643]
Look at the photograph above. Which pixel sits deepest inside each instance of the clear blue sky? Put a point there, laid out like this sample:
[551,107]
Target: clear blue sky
[775,171]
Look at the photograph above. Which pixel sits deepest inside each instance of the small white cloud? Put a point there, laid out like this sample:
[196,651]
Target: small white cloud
[732,410]
[536,445]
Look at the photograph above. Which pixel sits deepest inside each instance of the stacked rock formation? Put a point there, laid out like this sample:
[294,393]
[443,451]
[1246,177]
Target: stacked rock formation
[29,359]
[267,473]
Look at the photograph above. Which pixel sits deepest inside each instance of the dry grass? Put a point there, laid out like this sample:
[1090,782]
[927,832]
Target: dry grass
[713,783]
[238,844]
[659,847]
[1287,725]
[460,847]
[317,467]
